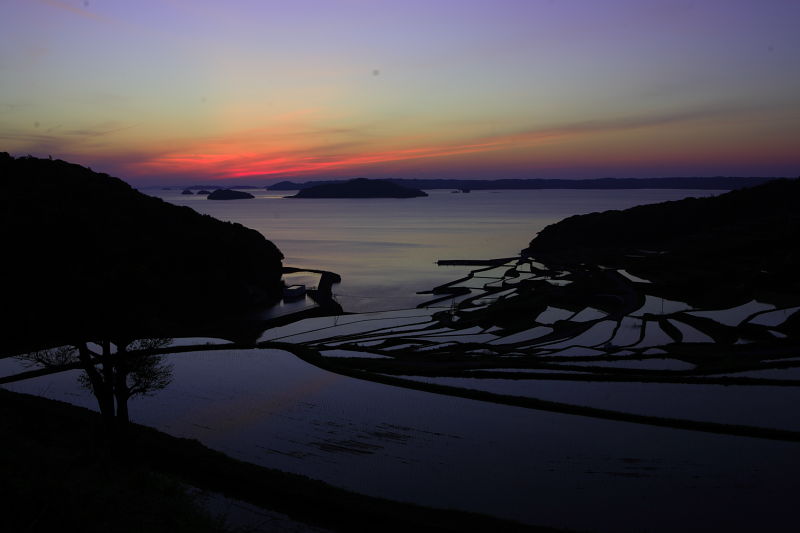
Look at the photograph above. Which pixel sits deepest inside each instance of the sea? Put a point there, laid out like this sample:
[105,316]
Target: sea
[386,249]
[566,471]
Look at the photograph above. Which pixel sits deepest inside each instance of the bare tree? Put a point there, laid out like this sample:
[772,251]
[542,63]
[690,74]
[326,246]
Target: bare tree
[114,371]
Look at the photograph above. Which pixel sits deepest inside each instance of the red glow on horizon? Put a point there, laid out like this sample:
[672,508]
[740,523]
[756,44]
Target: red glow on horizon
[247,164]
[641,147]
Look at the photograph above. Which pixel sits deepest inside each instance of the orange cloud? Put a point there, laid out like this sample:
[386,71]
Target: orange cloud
[296,147]
[238,165]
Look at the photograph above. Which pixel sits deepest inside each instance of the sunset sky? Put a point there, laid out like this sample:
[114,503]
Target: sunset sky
[186,91]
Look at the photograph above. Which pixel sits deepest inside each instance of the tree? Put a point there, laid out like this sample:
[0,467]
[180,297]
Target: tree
[114,371]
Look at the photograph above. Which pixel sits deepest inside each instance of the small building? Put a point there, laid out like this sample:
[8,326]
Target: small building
[294,292]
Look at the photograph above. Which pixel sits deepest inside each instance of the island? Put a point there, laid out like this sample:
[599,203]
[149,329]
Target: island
[360,188]
[229,194]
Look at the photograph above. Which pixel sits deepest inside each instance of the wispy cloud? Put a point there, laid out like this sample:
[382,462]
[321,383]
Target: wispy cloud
[250,154]
[94,144]
[618,124]
[99,131]
[226,159]
[300,148]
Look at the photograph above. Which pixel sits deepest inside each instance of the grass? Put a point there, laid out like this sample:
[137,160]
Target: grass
[60,471]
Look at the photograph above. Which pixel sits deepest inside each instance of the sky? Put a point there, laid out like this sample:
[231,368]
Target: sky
[255,91]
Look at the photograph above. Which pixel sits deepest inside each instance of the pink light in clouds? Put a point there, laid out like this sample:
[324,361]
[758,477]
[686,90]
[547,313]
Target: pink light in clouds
[297,147]
[238,165]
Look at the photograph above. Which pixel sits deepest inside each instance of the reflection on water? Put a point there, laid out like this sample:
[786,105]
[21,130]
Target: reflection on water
[735,315]
[268,407]
[284,307]
[755,406]
[386,249]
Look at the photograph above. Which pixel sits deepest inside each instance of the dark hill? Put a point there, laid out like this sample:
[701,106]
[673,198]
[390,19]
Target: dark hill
[229,194]
[85,253]
[745,239]
[359,188]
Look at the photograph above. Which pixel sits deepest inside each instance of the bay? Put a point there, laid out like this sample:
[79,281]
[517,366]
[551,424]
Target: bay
[386,249]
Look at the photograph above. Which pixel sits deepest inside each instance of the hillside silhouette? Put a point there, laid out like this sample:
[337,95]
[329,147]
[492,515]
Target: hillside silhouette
[84,253]
[742,240]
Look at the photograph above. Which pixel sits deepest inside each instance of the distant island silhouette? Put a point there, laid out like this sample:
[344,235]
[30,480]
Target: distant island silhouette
[360,188]
[205,186]
[229,194]
[714,183]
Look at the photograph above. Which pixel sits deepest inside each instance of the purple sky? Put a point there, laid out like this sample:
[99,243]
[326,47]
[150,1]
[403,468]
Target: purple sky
[176,90]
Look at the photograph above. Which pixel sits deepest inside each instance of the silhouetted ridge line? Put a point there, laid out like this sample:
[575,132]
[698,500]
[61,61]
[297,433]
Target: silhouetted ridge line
[84,252]
[743,240]
[713,183]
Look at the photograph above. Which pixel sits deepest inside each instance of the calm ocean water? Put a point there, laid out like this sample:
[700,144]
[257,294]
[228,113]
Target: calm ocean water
[386,249]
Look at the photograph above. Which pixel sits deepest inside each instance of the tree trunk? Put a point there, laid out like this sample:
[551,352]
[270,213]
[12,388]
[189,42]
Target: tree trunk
[101,389]
[108,372]
[122,411]
[121,392]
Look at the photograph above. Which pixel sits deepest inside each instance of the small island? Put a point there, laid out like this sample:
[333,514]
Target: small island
[360,188]
[229,194]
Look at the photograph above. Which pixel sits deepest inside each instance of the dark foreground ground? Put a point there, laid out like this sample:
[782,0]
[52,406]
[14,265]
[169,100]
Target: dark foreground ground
[61,472]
